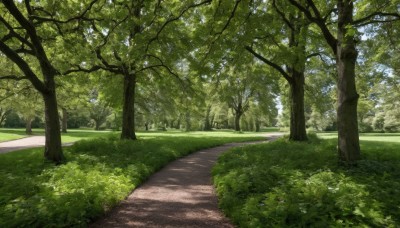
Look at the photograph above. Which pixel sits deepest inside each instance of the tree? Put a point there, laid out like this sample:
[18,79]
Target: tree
[244,84]
[15,44]
[343,46]
[294,44]
[135,44]
[98,112]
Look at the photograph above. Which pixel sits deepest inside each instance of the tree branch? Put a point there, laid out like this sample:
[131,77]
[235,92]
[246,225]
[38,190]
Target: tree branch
[12,77]
[80,69]
[81,16]
[14,34]
[230,18]
[13,56]
[370,18]
[172,19]
[31,32]
[287,22]
[319,20]
[273,65]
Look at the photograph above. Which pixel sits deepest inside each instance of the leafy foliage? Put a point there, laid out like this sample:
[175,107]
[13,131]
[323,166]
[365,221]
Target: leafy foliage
[286,184]
[100,173]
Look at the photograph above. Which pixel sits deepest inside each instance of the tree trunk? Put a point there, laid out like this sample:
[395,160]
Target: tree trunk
[128,112]
[53,149]
[178,123]
[64,120]
[348,138]
[146,125]
[297,117]
[97,125]
[28,126]
[207,125]
[3,115]
[187,118]
[237,121]
[258,125]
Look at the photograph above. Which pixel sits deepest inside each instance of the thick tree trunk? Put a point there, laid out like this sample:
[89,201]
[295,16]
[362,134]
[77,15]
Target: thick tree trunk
[64,120]
[258,125]
[297,117]
[53,149]
[146,125]
[207,125]
[97,125]
[348,138]
[128,112]
[28,126]
[237,121]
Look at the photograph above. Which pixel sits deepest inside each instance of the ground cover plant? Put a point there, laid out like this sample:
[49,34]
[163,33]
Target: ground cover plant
[289,184]
[99,173]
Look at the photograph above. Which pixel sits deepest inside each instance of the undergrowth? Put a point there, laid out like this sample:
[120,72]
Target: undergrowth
[289,184]
[99,174]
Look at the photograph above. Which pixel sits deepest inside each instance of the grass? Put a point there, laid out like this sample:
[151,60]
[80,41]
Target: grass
[100,173]
[288,184]
[9,136]
[74,135]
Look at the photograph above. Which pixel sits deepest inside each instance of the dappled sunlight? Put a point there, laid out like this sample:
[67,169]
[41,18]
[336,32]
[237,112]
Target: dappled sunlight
[98,174]
[286,183]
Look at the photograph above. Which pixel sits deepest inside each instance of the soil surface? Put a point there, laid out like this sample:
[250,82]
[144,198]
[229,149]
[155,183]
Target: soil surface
[179,195]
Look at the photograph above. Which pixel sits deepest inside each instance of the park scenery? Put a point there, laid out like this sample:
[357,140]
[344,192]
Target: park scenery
[200,113]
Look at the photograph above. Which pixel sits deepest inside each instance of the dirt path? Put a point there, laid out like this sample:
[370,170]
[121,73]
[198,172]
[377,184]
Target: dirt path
[19,144]
[179,195]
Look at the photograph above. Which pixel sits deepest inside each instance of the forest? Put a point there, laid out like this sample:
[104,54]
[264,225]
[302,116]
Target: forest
[326,73]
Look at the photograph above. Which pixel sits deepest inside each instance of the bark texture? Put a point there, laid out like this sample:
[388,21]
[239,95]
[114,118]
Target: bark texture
[237,121]
[297,117]
[28,126]
[128,111]
[53,149]
[348,137]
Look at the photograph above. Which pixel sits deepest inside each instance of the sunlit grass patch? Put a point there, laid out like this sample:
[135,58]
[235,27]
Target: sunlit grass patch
[9,136]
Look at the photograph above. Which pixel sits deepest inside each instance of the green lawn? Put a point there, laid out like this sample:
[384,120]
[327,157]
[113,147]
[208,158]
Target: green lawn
[9,136]
[99,173]
[287,184]
[377,137]
[73,135]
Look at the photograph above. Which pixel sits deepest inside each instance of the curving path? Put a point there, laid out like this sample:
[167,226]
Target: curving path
[179,195]
[24,143]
